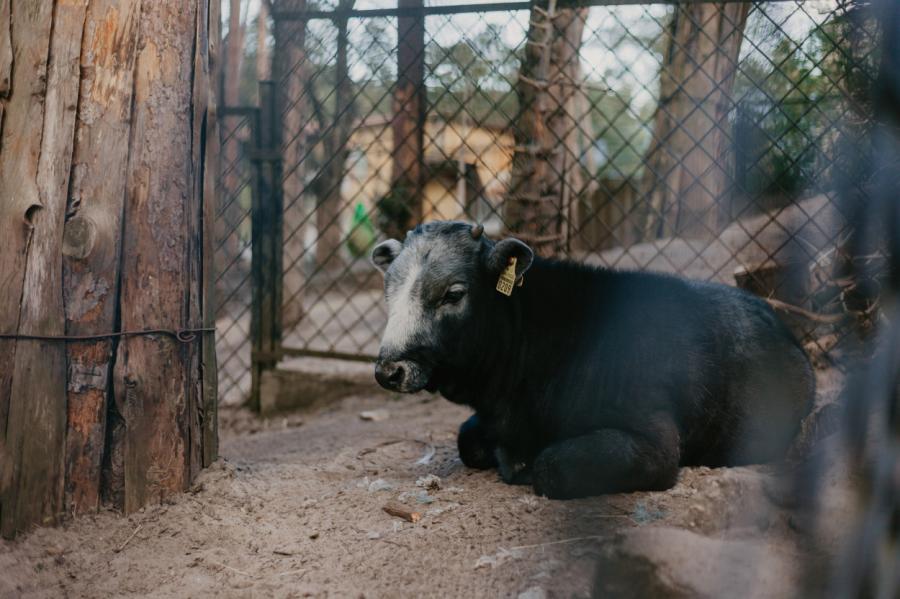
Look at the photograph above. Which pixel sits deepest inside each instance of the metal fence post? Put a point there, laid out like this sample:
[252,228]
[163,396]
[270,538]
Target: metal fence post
[267,261]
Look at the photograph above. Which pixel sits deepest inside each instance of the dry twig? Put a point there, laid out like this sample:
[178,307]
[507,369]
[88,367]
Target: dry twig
[128,540]
[247,574]
[401,511]
[814,316]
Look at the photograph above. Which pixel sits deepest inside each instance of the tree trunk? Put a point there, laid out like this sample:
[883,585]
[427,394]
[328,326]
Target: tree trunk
[401,210]
[546,170]
[336,136]
[290,72]
[263,57]
[687,170]
[103,212]
[232,213]
[234,54]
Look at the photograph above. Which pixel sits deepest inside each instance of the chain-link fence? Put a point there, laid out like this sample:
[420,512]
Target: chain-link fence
[702,139]
[233,239]
[248,230]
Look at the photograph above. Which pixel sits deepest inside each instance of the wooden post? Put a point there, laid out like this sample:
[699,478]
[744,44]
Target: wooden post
[106,226]
[267,241]
[209,363]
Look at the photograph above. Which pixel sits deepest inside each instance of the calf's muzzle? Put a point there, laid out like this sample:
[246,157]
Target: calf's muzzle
[404,376]
[390,375]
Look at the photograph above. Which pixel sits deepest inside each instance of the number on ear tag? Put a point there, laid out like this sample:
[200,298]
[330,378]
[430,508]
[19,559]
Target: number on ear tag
[507,278]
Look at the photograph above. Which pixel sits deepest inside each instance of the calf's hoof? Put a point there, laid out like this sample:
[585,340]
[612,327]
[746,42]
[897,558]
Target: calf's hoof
[512,471]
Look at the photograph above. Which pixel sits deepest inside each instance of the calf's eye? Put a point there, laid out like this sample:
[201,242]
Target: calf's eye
[453,295]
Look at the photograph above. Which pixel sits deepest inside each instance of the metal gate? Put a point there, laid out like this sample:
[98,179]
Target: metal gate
[248,248]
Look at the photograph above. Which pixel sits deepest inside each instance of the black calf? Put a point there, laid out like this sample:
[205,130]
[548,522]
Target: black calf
[588,381]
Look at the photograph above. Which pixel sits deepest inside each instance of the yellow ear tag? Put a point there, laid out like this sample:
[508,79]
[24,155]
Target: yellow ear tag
[507,278]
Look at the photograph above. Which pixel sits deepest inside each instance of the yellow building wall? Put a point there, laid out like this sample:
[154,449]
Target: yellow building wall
[369,165]
[440,200]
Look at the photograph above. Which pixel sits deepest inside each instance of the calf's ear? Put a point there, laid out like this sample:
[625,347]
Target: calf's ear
[384,253]
[500,255]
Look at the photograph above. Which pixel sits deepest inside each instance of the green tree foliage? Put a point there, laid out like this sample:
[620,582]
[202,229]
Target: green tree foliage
[794,100]
[473,78]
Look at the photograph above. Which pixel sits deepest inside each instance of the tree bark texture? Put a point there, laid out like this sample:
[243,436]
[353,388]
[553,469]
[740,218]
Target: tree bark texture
[233,172]
[263,56]
[687,170]
[402,209]
[234,48]
[106,217]
[546,172]
[289,64]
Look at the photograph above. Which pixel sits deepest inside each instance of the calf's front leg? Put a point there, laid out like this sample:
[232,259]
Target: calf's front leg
[608,461]
[476,447]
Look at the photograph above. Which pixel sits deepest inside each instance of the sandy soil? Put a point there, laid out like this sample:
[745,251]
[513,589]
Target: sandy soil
[294,508]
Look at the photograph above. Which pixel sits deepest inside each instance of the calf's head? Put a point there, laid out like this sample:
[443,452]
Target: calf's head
[439,285]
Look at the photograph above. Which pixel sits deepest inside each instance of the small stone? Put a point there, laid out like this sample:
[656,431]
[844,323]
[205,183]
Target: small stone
[375,415]
[380,485]
[530,502]
[533,593]
[430,482]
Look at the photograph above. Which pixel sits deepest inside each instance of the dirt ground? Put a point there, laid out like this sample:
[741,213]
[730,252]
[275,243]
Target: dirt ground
[294,508]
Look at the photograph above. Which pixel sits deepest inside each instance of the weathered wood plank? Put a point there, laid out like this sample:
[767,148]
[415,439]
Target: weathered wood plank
[37,415]
[210,421]
[19,151]
[93,235]
[6,55]
[152,374]
[196,287]
[19,202]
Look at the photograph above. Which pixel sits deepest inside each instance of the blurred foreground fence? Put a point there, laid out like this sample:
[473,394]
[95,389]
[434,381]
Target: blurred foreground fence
[708,140]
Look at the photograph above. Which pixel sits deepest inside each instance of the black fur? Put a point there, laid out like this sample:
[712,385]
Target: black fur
[588,381]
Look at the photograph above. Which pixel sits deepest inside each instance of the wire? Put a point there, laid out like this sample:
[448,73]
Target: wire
[181,335]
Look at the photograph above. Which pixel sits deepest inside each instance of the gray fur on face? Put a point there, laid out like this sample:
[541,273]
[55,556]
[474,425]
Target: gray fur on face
[417,274]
